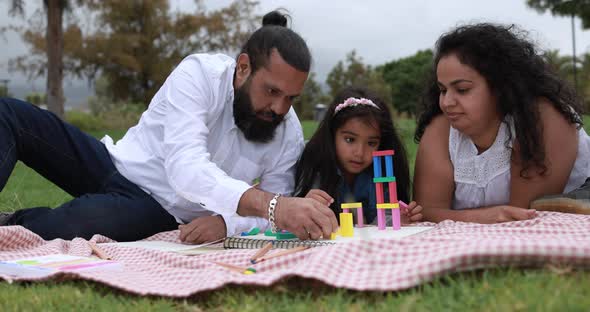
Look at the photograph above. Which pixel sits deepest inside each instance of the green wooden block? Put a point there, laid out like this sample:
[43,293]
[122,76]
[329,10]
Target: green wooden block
[269,233]
[383,179]
[286,235]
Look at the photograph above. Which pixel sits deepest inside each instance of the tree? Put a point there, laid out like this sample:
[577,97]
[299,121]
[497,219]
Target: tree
[579,8]
[4,92]
[353,72]
[138,43]
[53,43]
[406,77]
[135,44]
[311,95]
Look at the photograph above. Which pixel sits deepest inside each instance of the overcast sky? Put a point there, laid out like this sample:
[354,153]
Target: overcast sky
[380,30]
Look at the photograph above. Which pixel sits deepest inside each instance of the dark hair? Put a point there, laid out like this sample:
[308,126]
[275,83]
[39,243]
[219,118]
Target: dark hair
[319,156]
[274,34]
[516,74]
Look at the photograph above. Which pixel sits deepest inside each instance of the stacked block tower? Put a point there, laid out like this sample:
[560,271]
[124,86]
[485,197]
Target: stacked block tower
[379,180]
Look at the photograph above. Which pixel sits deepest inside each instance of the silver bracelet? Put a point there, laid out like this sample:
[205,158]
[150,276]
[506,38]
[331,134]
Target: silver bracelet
[271,212]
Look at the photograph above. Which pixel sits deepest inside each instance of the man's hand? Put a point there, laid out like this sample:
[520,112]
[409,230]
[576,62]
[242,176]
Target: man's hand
[320,196]
[307,218]
[203,230]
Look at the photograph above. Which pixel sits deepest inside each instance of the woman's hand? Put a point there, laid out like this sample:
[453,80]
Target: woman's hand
[505,213]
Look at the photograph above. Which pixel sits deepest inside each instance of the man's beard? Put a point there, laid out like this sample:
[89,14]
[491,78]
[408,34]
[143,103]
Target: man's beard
[254,128]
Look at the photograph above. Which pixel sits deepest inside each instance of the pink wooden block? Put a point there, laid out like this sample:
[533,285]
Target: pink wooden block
[345,210]
[359,216]
[381,219]
[395,218]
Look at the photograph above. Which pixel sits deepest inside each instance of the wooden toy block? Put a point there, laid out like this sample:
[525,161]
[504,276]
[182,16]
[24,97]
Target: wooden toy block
[285,235]
[383,179]
[346,225]
[381,219]
[376,167]
[379,193]
[389,166]
[351,205]
[392,192]
[333,236]
[388,206]
[383,153]
[396,219]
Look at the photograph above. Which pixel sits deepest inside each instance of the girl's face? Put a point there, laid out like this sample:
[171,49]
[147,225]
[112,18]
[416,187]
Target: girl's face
[355,142]
[465,98]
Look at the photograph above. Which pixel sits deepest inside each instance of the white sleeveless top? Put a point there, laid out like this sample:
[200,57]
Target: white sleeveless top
[484,179]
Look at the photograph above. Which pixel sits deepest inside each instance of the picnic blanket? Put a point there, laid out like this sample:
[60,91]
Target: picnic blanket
[381,265]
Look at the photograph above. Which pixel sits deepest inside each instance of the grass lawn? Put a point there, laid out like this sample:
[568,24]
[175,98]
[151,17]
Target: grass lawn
[508,289]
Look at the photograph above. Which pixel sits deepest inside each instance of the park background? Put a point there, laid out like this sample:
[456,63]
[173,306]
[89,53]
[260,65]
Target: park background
[116,54]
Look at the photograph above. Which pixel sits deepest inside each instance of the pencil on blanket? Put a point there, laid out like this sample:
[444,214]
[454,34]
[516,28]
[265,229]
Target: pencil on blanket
[261,253]
[283,253]
[235,268]
[99,252]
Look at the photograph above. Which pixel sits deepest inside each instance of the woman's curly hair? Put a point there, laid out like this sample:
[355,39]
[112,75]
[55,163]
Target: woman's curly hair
[517,75]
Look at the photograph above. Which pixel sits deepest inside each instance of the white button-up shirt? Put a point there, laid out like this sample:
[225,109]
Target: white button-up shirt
[188,154]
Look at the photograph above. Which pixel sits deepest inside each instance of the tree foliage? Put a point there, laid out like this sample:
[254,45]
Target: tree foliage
[353,72]
[406,77]
[311,95]
[579,8]
[136,44]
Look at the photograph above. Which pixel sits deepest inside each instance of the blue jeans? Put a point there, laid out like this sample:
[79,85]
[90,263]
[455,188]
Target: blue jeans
[105,202]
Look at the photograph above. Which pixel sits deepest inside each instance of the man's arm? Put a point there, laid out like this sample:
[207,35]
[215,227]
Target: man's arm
[189,169]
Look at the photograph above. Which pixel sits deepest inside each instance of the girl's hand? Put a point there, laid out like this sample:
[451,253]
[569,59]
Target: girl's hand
[320,196]
[203,230]
[412,213]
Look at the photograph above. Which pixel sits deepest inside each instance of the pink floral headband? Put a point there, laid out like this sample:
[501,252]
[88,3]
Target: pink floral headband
[350,102]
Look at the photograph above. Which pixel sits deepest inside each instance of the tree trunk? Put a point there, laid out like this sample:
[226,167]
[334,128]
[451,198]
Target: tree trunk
[54,37]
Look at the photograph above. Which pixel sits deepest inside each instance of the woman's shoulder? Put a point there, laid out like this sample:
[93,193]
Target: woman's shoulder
[437,132]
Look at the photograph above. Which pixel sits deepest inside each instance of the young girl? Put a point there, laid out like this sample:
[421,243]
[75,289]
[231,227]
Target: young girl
[338,160]
[499,129]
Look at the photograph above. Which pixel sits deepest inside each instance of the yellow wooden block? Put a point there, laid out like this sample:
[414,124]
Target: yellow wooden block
[346,225]
[351,205]
[333,236]
[388,206]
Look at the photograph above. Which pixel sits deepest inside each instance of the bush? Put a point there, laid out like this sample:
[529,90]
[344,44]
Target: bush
[84,121]
[106,115]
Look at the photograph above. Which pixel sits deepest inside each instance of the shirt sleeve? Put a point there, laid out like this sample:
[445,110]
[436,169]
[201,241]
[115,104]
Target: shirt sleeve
[189,169]
[236,224]
[280,176]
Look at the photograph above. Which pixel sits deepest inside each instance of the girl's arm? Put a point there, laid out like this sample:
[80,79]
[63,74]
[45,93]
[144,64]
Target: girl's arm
[561,149]
[434,182]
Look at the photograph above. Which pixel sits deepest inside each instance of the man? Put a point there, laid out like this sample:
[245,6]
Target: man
[214,127]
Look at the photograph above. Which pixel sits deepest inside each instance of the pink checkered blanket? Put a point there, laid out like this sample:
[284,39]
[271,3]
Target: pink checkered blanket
[383,265]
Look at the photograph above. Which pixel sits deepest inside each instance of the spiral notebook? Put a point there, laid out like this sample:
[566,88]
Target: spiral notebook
[366,233]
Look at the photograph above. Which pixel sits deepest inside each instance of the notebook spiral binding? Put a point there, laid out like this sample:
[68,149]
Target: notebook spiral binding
[248,243]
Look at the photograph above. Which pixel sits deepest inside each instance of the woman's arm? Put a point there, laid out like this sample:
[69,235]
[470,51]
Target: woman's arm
[433,174]
[560,139]
[434,183]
